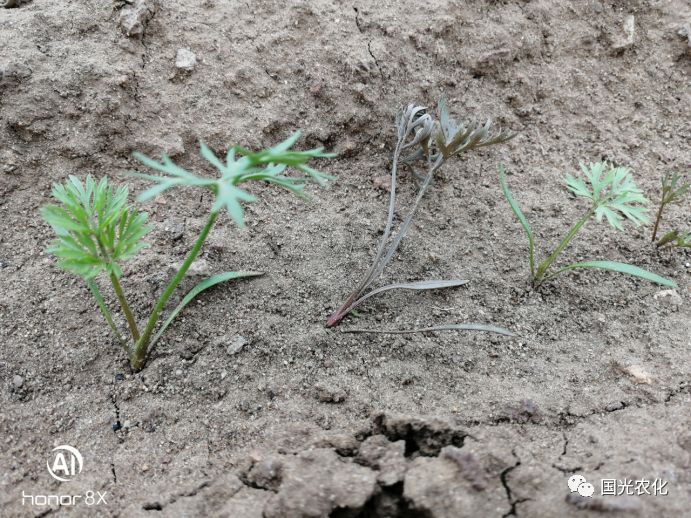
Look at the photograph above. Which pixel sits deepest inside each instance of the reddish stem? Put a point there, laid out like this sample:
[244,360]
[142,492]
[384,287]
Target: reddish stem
[341,312]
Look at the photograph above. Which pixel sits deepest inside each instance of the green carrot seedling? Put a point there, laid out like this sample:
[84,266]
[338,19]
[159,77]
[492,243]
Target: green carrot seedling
[430,143]
[613,196]
[672,192]
[97,229]
[675,239]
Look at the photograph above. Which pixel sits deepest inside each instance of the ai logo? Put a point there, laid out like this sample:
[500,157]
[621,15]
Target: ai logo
[67,463]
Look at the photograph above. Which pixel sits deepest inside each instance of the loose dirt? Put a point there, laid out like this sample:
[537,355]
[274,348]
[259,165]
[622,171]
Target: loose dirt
[303,421]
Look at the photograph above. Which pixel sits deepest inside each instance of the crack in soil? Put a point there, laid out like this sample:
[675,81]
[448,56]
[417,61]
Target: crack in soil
[376,61]
[158,506]
[565,470]
[568,471]
[191,492]
[357,19]
[503,477]
[566,419]
[116,427]
[684,386]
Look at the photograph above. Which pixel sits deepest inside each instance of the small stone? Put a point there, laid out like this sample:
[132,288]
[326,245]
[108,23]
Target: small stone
[117,426]
[174,229]
[668,298]
[17,381]
[178,372]
[187,354]
[236,345]
[185,60]
[329,394]
[145,468]
[122,80]
[639,375]
[199,268]
[127,424]
[119,376]
[9,161]
[135,17]
[629,34]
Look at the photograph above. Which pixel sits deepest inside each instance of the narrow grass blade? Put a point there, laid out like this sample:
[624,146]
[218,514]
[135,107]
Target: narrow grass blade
[419,285]
[203,285]
[446,327]
[621,268]
[106,313]
[519,214]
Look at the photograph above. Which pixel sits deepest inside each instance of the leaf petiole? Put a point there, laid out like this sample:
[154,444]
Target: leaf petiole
[142,345]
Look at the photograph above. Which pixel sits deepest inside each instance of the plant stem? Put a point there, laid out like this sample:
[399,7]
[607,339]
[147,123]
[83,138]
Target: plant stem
[369,276]
[131,322]
[539,276]
[141,347]
[106,313]
[658,219]
[379,264]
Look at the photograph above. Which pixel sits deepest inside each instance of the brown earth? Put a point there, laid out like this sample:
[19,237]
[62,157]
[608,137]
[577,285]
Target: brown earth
[305,421]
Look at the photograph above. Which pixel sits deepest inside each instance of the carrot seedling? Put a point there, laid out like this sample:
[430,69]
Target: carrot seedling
[612,195]
[430,143]
[675,239]
[97,229]
[672,193]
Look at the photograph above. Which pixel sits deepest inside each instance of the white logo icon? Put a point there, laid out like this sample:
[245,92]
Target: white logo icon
[67,463]
[578,484]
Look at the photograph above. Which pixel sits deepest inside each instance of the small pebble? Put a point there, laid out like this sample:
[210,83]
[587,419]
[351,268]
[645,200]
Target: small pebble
[237,345]
[330,394]
[17,381]
[119,376]
[185,60]
[668,297]
[638,373]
